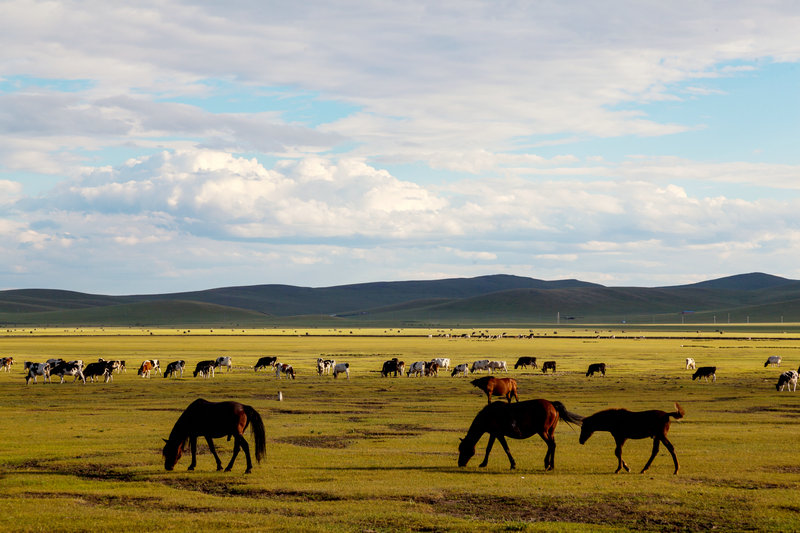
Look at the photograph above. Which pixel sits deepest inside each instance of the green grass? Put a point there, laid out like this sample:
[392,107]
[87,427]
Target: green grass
[380,454]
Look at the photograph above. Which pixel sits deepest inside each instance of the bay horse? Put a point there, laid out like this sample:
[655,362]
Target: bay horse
[493,386]
[213,420]
[519,420]
[624,425]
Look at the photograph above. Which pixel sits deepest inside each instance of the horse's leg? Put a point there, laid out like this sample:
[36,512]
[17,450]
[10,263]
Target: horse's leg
[236,445]
[214,452]
[488,449]
[193,444]
[503,442]
[671,449]
[550,456]
[656,441]
[618,452]
[240,441]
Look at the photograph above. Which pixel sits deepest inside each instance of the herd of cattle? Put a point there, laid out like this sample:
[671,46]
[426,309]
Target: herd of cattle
[105,369]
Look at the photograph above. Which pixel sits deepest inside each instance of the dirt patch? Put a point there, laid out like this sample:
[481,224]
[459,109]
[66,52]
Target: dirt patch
[98,500]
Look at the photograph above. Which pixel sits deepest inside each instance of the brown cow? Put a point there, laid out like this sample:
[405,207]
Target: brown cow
[493,386]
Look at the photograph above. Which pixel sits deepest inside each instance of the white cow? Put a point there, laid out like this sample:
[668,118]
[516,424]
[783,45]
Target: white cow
[483,364]
[417,368]
[690,364]
[443,362]
[461,370]
[341,368]
[223,361]
[787,379]
[497,365]
[774,360]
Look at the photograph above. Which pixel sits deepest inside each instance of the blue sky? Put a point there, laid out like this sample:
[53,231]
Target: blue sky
[172,146]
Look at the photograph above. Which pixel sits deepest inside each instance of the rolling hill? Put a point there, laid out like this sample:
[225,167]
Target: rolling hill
[480,300]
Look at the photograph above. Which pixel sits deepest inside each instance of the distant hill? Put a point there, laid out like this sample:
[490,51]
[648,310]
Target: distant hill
[485,299]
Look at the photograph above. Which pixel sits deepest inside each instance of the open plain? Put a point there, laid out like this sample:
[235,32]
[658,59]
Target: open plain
[379,454]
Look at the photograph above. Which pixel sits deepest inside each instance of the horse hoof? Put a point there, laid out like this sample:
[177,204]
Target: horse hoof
[227,469]
[482,465]
[247,471]
[191,468]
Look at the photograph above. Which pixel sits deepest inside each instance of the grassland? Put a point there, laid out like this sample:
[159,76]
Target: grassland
[379,454]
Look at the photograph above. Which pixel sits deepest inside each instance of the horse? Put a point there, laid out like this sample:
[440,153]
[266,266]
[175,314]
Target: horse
[493,386]
[596,367]
[519,420]
[213,420]
[624,425]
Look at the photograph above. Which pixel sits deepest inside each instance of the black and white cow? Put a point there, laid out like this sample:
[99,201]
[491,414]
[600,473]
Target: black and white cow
[461,370]
[341,368]
[100,368]
[224,361]
[705,372]
[325,366]
[774,360]
[204,368]
[483,364]
[417,368]
[175,368]
[68,369]
[266,361]
[37,369]
[788,379]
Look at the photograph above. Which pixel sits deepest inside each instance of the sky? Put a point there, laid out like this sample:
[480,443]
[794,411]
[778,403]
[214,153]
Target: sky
[170,146]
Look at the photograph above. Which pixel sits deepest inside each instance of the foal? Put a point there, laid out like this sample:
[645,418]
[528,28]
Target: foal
[624,425]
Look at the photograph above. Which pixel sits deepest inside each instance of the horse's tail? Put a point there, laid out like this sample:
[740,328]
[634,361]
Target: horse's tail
[679,413]
[566,415]
[257,428]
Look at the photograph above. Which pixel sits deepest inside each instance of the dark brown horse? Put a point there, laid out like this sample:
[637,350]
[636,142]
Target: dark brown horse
[624,425]
[493,386]
[213,420]
[519,420]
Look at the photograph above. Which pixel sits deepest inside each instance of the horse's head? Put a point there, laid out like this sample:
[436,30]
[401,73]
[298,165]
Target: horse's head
[172,453]
[465,452]
[587,428]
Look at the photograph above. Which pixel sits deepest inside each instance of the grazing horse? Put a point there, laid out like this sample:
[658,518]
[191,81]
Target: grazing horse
[5,363]
[519,420]
[548,365]
[774,360]
[213,420]
[787,379]
[596,367]
[705,372]
[525,362]
[624,425]
[174,368]
[493,386]
[264,362]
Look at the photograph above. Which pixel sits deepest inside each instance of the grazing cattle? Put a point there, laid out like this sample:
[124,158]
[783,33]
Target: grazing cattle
[525,362]
[264,362]
[223,361]
[431,368]
[483,364]
[548,365]
[145,369]
[596,367]
[325,366]
[204,368]
[214,420]
[417,368]
[774,360]
[624,425]
[78,362]
[120,366]
[6,362]
[461,370]
[690,364]
[443,362]
[37,369]
[54,362]
[156,369]
[100,368]
[286,369]
[68,369]
[788,379]
[341,368]
[497,365]
[705,372]
[519,420]
[493,386]
[393,366]
[175,368]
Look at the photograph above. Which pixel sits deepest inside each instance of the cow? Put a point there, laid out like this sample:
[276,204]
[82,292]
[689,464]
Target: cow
[443,362]
[483,364]
[788,379]
[393,366]
[341,368]
[596,367]
[417,368]
[460,370]
[325,366]
[525,362]
[286,369]
[6,362]
[431,368]
[174,368]
[774,360]
[690,364]
[266,361]
[706,372]
[100,368]
[78,362]
[548,365]
[54,362]
[223,361]
[156,368]
[37,369]
[497,365]
[204,368]
[145,369]
[68,369]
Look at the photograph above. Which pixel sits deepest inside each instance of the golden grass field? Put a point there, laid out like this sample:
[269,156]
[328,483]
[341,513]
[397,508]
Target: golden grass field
[379,454]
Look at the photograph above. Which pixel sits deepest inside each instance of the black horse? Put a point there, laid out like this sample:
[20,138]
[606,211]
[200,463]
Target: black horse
[519,420]
[213,420]
[624,425]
